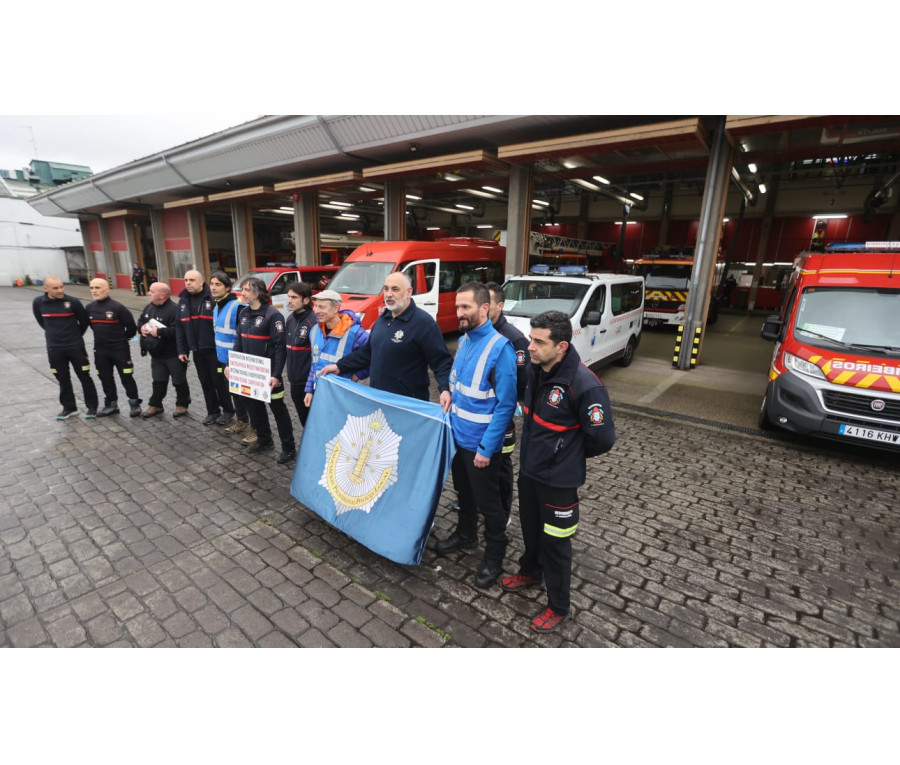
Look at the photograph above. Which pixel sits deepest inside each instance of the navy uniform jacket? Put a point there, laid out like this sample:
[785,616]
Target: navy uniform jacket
[400,351]
[299,351]
[63,320]
[111,322]
[195,322]
[568,418]
[260,332]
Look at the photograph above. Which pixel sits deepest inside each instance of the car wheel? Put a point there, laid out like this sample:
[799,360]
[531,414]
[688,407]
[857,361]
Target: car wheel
[628,353]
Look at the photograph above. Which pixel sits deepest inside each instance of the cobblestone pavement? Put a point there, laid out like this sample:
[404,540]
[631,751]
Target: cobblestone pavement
[125,532]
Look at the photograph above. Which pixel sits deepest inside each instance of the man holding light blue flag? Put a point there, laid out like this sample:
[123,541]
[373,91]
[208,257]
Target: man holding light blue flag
[376,470]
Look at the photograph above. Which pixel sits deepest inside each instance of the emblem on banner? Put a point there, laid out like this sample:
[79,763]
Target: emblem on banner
[361,462]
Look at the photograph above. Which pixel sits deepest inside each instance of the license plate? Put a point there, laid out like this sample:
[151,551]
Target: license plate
[869,434]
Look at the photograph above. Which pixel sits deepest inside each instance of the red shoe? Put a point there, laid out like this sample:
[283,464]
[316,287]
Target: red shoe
[519,582]
[547,621]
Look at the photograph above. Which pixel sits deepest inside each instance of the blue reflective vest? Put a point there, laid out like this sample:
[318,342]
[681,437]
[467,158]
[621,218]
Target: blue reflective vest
[483,388]
[225,324]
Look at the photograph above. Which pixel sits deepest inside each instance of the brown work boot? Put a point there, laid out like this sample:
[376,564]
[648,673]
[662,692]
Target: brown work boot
[152,411]
[251,437]
[237,426]
[180,411]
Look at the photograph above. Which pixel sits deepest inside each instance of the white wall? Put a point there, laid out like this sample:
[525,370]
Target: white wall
[30,243]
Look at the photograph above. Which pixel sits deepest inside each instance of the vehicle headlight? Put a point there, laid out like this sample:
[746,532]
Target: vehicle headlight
[802,367]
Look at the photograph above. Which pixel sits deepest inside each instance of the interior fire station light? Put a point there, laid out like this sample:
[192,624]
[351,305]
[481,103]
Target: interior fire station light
[636,196]
[491,188]
[829,216]
[464,207]
[762,188]
[601,179]
[751,166]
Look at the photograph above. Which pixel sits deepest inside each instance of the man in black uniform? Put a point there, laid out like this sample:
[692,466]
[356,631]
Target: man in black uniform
[300,324]
[196,334]
[523,367]
[567,419]
[64,322]
[137,279]
[113,326]
[158,327]
[260,332]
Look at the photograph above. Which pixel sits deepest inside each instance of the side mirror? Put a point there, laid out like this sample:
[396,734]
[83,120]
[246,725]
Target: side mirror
[771,330]
[591,318]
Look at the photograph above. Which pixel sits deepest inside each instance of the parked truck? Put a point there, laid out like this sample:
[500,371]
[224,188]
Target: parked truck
[835,370]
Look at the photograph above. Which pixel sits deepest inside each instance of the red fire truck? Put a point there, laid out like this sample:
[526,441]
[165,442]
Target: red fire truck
[835,371]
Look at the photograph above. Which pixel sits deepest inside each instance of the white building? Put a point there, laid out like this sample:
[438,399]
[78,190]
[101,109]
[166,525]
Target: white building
[33,245]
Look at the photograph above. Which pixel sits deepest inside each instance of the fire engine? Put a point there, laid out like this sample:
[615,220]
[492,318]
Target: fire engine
[835,371]
[667,280]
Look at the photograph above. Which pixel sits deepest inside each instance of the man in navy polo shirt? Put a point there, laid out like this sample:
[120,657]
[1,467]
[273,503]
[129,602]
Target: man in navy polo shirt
[403,343]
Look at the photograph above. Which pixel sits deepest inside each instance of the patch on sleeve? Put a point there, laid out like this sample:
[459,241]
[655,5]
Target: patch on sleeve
[595,414]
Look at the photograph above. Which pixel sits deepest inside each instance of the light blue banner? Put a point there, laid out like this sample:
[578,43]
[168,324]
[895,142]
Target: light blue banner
[373,465]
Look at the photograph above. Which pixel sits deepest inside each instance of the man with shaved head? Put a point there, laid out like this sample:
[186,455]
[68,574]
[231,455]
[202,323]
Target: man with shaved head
[64,322]
[196,334]
[113,326]
[157,326]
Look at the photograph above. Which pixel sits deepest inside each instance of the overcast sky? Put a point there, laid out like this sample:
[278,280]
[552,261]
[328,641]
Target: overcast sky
[101,142]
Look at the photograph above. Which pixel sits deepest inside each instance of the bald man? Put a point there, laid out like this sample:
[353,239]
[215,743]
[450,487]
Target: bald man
[113,326]
[64,322]
[158,326]
[196,333]
[403,343]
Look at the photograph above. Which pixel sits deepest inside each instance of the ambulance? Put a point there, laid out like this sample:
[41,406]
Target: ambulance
[605,310]
[835,371]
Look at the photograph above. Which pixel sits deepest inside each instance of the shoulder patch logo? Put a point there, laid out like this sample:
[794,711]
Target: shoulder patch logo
[398,336]
[279,326]
[520,358]
[595,414]
[556,396]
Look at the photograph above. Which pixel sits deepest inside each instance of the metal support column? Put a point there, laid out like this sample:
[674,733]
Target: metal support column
[242,227]
[107,251]
[394,210]
[518,219]
[718,174]
[90,263]
[762,249]
[199,249]
[306,228]
[163,267]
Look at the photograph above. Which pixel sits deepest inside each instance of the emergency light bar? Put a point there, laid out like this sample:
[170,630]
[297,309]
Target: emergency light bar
[573,270]
[861,246]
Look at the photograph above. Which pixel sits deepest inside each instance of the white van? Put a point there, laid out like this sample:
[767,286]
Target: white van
[606,310]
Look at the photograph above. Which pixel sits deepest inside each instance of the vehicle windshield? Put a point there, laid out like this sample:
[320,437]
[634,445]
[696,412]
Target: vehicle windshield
[865,320]
[529,297]
[361,278]
[265,276]
[675,277]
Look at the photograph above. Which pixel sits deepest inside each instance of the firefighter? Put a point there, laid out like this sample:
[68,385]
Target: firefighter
[260,332]
[567,420]
[113,326]
[64,322]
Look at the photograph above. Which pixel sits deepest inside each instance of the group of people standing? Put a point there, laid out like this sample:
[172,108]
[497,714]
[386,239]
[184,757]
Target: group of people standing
[495,373]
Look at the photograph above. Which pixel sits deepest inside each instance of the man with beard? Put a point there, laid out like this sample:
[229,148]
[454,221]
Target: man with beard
[298,331]
[403,343]
[483,390]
